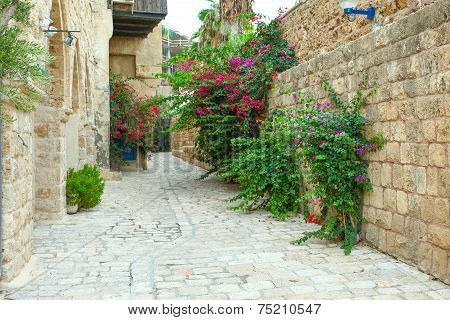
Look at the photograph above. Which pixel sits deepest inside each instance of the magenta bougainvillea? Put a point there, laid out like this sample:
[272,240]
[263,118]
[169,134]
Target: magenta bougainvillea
[222,91]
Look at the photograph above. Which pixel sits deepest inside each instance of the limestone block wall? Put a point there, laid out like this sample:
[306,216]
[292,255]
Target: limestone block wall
[183,144]
[62,132]
[408,212]
[17,188]
[318,26]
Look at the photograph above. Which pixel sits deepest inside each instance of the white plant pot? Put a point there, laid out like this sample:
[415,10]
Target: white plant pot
[72,209]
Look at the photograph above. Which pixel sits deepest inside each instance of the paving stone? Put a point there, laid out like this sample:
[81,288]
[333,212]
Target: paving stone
[163,234]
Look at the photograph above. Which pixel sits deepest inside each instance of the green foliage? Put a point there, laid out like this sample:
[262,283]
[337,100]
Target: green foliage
[21,61]
[222,91]
[334,144]
[267,169]
[73,185]
[84,187]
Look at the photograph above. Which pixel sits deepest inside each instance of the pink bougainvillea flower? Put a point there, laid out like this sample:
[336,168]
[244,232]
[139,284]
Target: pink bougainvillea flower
[294,96]
[338,132]
[296,140]
[328,104]
[358,178]
[314,156]
[361,151]
[312,219]
[156,110]
[374,148]
[315,174]
[364,179]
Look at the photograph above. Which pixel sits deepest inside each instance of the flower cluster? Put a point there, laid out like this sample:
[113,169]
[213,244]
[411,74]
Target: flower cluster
[222,91]
[132,119]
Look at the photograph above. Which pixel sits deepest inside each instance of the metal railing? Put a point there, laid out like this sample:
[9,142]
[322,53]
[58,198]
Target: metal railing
[176,43]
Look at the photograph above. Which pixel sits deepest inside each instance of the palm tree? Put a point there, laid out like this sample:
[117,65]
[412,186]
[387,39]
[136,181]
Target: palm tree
[231,24]
[209,32]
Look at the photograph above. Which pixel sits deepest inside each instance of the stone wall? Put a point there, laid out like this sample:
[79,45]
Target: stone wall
[70,126]
[318,26]
[140,58]
[408,211]
[182,145]
[17,188]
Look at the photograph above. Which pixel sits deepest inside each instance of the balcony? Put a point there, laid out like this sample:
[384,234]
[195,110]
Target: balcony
[137,18]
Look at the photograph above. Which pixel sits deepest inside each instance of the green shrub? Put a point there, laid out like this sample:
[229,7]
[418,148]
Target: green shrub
[72,186]
[84,187]
[267,169]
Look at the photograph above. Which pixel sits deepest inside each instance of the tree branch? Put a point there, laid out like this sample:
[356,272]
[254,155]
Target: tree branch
[7,16]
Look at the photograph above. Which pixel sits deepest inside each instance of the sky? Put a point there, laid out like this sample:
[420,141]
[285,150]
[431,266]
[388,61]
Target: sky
[183,13]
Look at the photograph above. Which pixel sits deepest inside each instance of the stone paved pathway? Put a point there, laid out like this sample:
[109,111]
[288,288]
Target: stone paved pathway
[163,234]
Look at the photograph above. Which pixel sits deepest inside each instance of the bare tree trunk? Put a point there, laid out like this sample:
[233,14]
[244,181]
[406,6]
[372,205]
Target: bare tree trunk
[6,16]
[230,23]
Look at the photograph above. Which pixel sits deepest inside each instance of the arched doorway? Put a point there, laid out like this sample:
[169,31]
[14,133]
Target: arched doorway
[49,145]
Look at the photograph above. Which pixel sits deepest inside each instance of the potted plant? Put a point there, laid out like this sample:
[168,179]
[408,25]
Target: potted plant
[92,186]
[84,188]
[73,198]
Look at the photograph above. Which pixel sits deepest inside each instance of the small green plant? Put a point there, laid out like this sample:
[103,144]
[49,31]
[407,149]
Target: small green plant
[84,187]
[73,184]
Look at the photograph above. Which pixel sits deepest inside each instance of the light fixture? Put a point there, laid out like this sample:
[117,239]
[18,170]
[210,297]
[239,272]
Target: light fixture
[69,39]
[45,23]
[51,31]
[350,10]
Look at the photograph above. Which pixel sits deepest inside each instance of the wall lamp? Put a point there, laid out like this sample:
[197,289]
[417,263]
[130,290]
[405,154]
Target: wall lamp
[51,31]
[350,10]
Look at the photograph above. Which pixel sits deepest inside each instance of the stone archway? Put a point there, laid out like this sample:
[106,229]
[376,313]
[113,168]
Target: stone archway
[49,146]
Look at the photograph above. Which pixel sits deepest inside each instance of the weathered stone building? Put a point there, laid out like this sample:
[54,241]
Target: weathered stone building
[70,126]
[407,55]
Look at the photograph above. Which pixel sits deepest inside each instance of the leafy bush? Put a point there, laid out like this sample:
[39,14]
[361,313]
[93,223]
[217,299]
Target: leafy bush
[73,185]
[84,187]
[332,137]
[267,169]
[132,119]
[328,139]
[222,91]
